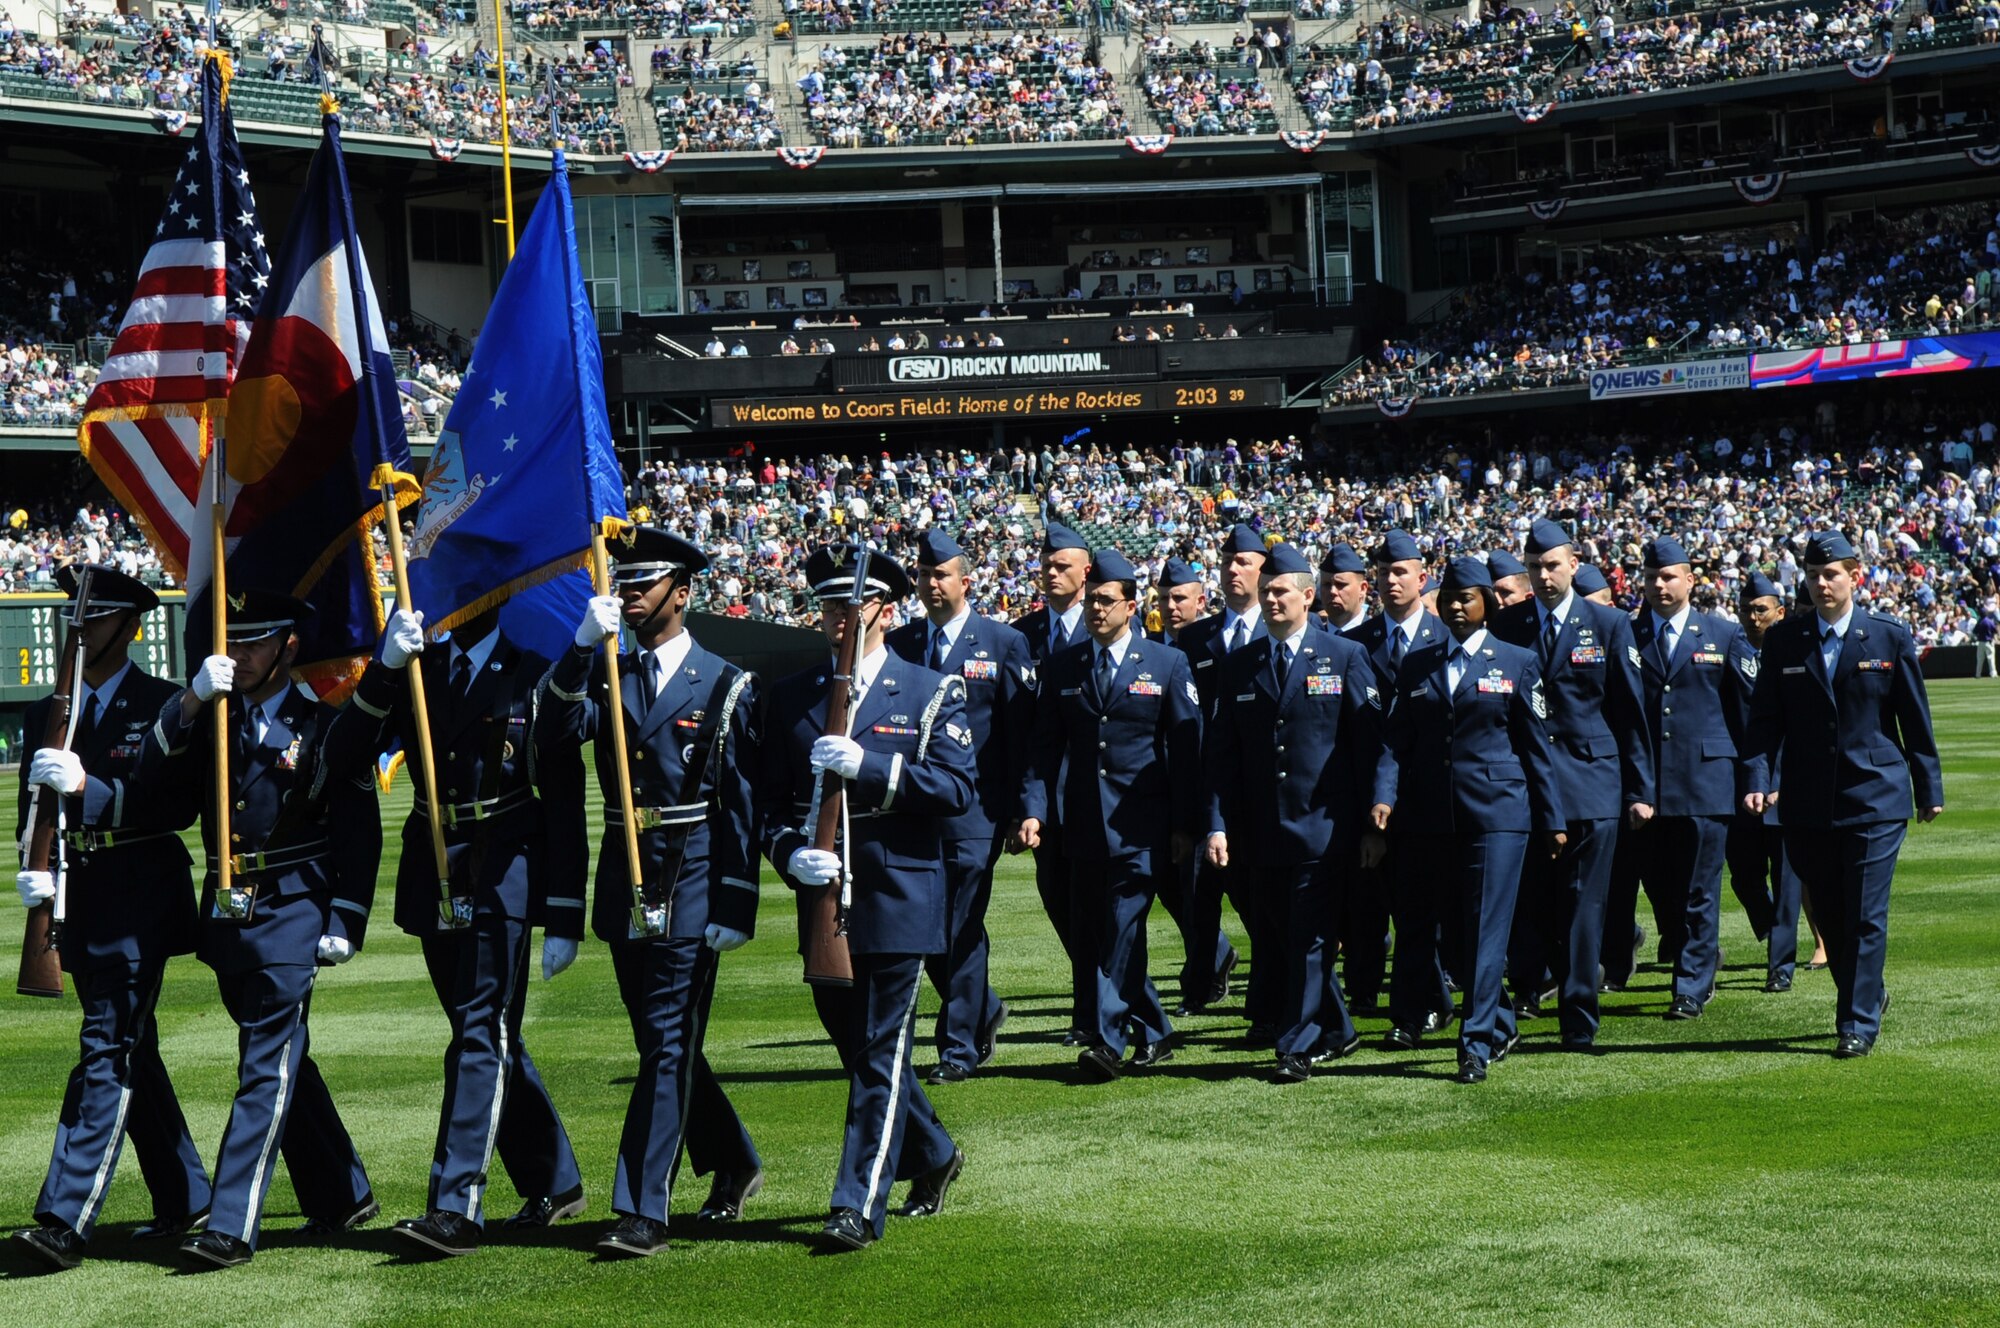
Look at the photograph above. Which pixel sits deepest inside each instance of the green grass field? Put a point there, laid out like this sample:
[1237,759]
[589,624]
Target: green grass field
[1724,1172]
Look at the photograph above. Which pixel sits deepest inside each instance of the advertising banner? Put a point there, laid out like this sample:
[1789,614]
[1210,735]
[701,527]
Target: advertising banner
[1653,380]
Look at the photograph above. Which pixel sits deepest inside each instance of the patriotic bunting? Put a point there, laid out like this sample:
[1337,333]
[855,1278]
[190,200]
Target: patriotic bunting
[1760,189]
[1547,209]
[1987,156]
[1302,140]
[802,159]
[1530,114]
[1149,145]
[1395,407]
[170,123]
[447,149]
[1865,67]
[647,163]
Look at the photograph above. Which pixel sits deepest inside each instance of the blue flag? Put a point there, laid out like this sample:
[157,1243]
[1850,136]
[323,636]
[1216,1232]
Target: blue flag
[525,468]
[314,432]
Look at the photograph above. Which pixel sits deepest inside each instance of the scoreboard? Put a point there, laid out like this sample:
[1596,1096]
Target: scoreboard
[31,635]
[933,405]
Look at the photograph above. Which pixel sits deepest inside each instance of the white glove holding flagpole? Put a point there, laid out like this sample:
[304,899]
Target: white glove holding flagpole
[404,640]
[600,622]
[56,769]
[216,677]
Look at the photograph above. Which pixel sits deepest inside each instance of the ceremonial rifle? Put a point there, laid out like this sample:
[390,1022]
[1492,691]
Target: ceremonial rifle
[828,962]
[42,845]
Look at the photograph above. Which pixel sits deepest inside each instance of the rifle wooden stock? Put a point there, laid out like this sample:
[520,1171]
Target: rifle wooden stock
[828,962]
[41,962]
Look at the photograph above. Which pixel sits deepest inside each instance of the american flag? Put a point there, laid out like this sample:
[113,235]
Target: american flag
[148,423]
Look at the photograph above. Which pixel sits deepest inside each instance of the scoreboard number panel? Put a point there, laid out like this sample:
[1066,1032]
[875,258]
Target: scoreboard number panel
[31,634]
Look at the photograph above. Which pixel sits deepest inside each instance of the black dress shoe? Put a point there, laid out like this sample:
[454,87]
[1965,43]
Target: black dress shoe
[1583,1046]
[1076,1037]
[547,1210]
[1328,1051]
[1401,1039]
[944,1072]
[1500,1052]
[634,1238]
[1853,1046]
[1218,991]
[1684,1007]
[1100,1063]
[1548,995]
[440,1232]
[1294,1069]
[1261,1035]
[1152,1054]
[1436,1021]
[927,1192]
[325,1228]
[727,1194]
[845,1230]
[1471,1070]
[53,1244]
[986,1043]
[1527,1008]
[178,1228]
[1885,1007]
[1778,982]
[213,1249]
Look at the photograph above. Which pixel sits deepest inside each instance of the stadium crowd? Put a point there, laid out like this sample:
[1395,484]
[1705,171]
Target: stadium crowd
[646,18]
[1915,488]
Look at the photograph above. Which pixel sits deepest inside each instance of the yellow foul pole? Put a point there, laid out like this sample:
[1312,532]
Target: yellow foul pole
[506,129]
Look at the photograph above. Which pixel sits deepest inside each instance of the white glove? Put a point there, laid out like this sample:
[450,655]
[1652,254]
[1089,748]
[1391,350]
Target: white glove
[404,639]
[813,866]
[723,939]
[56,769]
[838,754]
[335,949]
[40,887]
[600,620]
[557,955]
[215,677]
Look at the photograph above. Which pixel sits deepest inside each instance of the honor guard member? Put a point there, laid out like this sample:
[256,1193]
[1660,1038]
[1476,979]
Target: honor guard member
[1590,584]
[1403,627]
[515,848]
[1590,679]
[1207,643]
[130,909]
[1123,718]
[909,769]
[992,659]
[1511,581]
[692,753]
[1466,774]
[1759,875]
[1840,738]
[1057,625]
[1342,601]
[1289,759]
[305,839]
[1209,957]
[1696,706]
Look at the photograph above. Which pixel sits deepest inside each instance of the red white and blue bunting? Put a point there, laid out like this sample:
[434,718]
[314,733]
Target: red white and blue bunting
[1547,209]
[1530,114]
[1985,156]
[447,149]
[802,159]
[647,163]
[1302,140]
[1149,145]
[170,123]
[1865,67]
[1395,407]
[1760,189]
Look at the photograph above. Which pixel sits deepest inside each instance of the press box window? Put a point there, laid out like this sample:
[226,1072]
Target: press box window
[446,235]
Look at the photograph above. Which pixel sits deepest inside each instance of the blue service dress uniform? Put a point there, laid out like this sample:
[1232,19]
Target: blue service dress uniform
[1129,746]
[515,848]
[1852,753]
[1760,876]
[131,909]
[1468,774]
[1372,899]
[1596,724]
[306,835]
[1043,630]
[1207,647]
[1193,898]
[1696,707]
[1289,764]
[917,772]
[999,674]
[694,755]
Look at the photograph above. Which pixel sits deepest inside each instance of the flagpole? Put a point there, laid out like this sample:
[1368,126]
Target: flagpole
[218,626]
[601,571]
[506,132]
[427,771]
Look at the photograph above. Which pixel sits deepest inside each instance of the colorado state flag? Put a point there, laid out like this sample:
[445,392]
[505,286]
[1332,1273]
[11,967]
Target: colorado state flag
[525,467]
[313,431]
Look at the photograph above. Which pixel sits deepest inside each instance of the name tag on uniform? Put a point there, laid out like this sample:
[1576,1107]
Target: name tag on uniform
[1072,691]
[1246,696]
[1587,655]
[1795,668]
[1203,663]
[1144,687]
[1708,657]
[1322,684]
[1497,686]
[1875,665]
[895,731]
[981,669]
